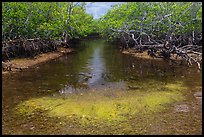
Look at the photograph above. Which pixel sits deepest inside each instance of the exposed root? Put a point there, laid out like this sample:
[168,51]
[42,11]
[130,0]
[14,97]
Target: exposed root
[28,47]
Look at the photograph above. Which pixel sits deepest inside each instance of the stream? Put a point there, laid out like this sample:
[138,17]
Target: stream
[99,90]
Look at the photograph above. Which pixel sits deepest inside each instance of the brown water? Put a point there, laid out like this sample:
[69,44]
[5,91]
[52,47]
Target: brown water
[97,66]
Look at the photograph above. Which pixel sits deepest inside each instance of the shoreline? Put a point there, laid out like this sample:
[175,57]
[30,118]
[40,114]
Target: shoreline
[19,64]
[144,55]
[173,58]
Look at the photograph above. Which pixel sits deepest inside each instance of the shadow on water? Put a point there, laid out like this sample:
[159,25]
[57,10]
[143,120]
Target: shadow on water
[97,66]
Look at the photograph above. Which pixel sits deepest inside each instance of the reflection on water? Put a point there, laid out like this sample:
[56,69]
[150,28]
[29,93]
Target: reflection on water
[93,73]
[95,66]
[97,69]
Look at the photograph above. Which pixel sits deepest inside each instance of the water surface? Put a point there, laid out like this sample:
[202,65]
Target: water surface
[96,66]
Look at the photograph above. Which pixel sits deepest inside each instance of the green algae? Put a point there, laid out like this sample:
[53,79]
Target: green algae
[98,107]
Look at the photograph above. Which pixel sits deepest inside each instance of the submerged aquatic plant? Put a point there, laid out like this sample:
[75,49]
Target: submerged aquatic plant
[98,106]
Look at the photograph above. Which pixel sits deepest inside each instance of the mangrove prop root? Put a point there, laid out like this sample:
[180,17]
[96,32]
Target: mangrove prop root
[28,47]
[190,52]
[190,56]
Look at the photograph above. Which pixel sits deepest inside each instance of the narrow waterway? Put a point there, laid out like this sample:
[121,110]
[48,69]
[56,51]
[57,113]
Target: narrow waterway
[98,90]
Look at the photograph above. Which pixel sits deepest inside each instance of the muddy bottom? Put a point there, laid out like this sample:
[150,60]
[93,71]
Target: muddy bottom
[98,90]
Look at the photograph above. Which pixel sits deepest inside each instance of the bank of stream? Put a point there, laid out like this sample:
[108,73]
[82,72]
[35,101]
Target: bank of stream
[98,90]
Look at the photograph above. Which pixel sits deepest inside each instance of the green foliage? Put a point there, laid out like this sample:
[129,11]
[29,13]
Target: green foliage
[66,20]
[153,18]
[45,20]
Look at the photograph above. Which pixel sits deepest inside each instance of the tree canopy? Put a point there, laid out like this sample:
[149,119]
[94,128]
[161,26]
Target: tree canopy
[66,20]
[52,20]
[161,28]
[166,20]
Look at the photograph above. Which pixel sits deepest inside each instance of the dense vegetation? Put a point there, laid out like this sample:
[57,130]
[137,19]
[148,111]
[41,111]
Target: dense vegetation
[148,20]
[168,25]
[54,20]
[132,24]
[166,20]
[31,28]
